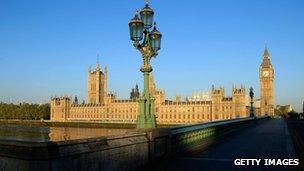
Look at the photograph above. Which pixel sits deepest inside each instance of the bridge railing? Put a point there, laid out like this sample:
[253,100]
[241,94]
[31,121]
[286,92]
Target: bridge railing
[188,138]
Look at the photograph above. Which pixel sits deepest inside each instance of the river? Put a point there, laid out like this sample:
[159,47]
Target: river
[45,134]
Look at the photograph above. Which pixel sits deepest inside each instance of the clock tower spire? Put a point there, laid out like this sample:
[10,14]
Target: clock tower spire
[266,85]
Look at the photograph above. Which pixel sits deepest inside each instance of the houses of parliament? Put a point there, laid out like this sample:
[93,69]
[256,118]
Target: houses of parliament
[104,106]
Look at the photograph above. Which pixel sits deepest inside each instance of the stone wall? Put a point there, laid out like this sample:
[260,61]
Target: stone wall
[115,153]
[125,152]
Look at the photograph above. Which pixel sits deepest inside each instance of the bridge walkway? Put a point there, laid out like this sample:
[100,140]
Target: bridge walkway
[268,139]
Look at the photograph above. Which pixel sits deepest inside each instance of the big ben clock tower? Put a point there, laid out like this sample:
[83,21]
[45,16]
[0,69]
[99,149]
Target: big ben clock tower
[266,85]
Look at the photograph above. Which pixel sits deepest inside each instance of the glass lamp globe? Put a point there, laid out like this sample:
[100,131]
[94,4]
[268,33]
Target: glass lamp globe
[136,28]
[146,15]
[155,39]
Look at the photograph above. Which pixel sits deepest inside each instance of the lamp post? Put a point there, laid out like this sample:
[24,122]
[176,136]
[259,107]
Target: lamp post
[147,41]
[251,94]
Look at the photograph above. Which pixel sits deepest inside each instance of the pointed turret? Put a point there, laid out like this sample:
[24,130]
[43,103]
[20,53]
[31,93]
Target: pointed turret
[136,88]
[266,53]
[106,70]
[132,94]
[152,85]
[97,63]
[97,66]
[75,100]
[266,59]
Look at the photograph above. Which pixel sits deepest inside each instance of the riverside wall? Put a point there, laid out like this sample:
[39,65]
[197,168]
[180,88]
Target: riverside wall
[124,152]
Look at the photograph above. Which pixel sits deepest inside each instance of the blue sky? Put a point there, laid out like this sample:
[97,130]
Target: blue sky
[47,46]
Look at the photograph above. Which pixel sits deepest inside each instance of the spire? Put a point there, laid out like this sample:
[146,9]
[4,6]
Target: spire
[97,63]
[266,58]
[266,53]
[75,100]
[152,77]
[106,69]
[152,85]
[136,87]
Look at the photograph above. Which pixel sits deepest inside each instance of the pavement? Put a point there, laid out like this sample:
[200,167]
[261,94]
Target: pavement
[296,129]
[269,139]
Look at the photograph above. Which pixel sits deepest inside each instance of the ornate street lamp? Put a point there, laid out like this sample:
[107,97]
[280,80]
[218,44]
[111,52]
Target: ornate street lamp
[140,28]
[251,94]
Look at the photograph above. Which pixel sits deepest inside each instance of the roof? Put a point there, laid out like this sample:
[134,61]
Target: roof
[266,53]
[266,58]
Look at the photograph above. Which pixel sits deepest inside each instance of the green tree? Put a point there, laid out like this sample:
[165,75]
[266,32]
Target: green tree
[24,111]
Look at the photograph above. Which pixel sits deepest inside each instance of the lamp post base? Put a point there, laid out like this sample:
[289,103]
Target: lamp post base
[145,122]
[146,117]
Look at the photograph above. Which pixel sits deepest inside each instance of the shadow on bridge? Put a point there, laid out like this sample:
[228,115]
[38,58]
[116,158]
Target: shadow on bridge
[216,147]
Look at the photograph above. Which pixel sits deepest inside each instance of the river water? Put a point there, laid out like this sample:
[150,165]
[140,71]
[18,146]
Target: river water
[45,134]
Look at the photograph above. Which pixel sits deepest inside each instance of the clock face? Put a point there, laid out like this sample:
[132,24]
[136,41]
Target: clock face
[265,73]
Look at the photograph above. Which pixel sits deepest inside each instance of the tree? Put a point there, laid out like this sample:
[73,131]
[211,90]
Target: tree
[24,111]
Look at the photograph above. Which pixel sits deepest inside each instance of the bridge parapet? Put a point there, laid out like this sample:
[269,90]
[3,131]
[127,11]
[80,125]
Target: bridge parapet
[189,137]
[123,152]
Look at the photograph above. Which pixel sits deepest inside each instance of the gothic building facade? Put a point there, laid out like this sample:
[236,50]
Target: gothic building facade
[105,107]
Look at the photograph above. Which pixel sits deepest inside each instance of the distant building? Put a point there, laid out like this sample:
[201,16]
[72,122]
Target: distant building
[135,93]
[200,96]
[284,108]
[200,107]
[104,106]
